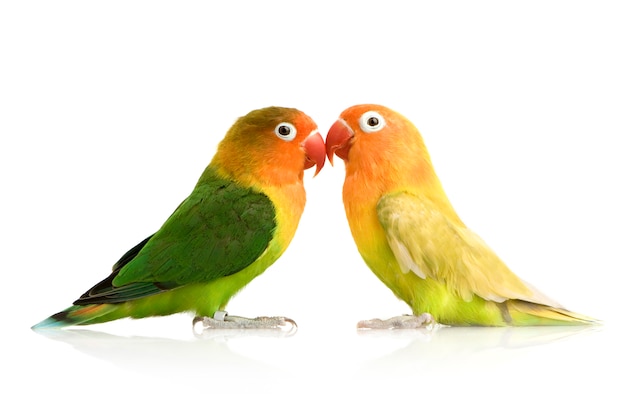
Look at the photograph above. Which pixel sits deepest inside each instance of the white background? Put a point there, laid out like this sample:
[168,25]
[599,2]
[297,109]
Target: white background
[110,111]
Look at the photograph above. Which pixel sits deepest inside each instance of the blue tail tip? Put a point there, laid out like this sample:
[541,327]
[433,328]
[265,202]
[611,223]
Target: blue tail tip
[49,323]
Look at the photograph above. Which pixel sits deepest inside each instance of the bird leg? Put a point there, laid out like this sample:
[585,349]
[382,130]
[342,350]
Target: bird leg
[222,320]
[406,321]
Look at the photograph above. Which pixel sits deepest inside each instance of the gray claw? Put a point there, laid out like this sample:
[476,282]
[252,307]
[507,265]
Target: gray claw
[222,320]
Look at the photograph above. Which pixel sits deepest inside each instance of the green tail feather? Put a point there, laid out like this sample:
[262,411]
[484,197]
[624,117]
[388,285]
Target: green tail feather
[523,313]
[74,315]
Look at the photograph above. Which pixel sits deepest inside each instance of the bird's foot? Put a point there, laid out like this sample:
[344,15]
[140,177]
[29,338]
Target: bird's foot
[223,320]
[407,321]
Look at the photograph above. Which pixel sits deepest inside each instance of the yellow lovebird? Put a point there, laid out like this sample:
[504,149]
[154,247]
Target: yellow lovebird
[411,237]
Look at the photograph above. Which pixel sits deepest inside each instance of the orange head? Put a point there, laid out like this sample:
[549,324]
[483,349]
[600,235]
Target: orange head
[383,152]
[271,145]
[373,137]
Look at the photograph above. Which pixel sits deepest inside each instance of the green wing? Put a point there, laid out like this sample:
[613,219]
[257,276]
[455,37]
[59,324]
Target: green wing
[220,229]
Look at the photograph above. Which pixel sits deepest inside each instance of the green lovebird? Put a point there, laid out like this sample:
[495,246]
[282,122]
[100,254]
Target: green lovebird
[237,221]
[411,237]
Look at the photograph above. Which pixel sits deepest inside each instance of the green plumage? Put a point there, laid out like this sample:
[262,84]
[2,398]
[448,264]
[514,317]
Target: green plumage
[237,221]
[219,230]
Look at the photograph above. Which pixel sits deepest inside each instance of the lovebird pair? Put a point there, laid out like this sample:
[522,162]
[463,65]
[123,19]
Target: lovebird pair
[245,209]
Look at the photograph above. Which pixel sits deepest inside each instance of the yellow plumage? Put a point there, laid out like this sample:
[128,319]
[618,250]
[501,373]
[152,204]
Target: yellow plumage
[410,236]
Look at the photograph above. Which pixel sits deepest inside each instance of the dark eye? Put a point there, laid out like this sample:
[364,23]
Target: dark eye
[371,121]
[285,131]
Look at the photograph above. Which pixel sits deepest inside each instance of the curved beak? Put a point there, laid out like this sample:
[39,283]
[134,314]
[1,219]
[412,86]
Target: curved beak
[338,140]
[315,151]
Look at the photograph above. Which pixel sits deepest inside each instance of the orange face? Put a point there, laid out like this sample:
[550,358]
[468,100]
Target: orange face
[383,153]
[374,139]
[273,144]
[305,136]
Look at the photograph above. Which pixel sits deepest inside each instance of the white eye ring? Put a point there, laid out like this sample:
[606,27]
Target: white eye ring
[286,131]
[371,121]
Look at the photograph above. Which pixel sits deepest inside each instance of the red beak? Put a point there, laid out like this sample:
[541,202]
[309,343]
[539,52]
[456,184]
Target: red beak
[315,151]
[338,140]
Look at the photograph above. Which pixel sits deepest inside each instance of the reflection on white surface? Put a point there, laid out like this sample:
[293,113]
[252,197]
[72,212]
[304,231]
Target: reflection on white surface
[373,353]
[478,338]
[528,369]
[209,350]
[452,349]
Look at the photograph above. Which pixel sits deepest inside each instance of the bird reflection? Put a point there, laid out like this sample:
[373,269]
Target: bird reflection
[227,354]
[453,348]
[208,351]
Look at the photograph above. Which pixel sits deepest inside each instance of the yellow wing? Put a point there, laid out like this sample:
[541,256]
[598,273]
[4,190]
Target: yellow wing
[427,243]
